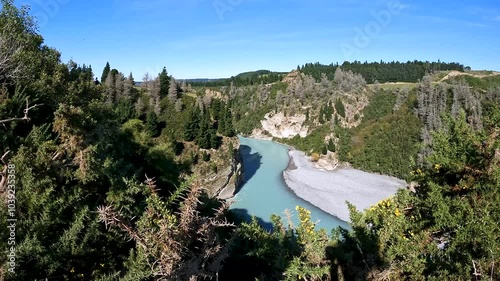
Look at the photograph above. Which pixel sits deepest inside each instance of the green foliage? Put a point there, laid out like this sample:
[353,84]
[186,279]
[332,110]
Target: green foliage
[385,142]
[386,145]
[152,124]
[478,83]
[339,107]
[326,112]
[192,127]
[344,144]
[204,135]
[294,253]
[245,79]
[314,142]
[331,146]
[105,72]
[164,82]
[205,156]
[381,104]
[92,145]
[225,118]
[448,228]
[411,71]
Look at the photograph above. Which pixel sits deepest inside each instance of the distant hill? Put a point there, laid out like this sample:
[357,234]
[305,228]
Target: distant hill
[242,79]
[202,80]
[259,75]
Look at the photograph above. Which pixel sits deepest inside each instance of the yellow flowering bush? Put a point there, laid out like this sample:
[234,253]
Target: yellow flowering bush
[311,264]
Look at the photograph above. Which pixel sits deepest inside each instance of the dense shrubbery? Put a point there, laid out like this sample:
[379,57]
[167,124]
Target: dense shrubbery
[79,145]
[313,143]
[82,152]
[387,145]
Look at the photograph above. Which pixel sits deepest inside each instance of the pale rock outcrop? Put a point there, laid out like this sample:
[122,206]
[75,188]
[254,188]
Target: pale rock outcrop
[224,184]
[281,126]
[327,162]
[215,94]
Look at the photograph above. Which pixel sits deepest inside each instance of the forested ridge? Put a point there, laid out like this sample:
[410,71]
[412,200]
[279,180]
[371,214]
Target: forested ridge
[105,178]
[382,72]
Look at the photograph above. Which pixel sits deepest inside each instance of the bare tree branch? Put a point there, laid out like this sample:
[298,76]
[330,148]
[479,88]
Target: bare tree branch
[25,117]
[185,248]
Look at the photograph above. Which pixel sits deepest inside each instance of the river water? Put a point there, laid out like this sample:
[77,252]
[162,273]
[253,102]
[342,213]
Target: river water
[264,191]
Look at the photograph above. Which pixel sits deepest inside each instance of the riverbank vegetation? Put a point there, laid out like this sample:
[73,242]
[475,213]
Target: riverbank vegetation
[105,178]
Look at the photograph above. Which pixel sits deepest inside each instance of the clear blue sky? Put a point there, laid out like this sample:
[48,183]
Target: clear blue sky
[221,38]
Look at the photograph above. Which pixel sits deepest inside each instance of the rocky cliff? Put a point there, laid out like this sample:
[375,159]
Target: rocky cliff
[281,126]
[223,177]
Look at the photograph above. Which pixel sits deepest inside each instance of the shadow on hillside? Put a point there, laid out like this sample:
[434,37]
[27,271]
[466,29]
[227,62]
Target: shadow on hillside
[251,163]
[241,265]
[354,256]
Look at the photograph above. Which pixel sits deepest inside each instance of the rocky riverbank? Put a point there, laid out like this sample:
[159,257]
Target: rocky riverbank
[329,190]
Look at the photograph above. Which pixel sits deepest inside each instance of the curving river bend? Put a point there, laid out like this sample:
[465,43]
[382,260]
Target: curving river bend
[264,191]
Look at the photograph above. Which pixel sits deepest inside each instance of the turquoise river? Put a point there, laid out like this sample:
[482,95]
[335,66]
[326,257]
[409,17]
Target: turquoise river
[264,191]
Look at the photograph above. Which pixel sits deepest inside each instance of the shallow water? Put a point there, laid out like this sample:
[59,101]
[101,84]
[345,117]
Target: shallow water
[264,192]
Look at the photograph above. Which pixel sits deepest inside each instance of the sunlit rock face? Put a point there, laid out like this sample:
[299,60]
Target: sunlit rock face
[281,126]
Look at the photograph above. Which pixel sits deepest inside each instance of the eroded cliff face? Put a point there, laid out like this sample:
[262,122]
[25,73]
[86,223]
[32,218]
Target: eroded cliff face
[280,126]
[224,184]
[222,174]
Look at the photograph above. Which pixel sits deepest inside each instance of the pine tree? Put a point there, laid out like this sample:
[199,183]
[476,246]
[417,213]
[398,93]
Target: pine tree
[105,72]
[321,115]
[164,82]
[228,122]
[214,139]
[203,138]
[192,127]
[152,123]
[222,122]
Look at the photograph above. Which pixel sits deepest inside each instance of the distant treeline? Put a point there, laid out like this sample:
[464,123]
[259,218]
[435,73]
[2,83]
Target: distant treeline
[411,71]
[244,79]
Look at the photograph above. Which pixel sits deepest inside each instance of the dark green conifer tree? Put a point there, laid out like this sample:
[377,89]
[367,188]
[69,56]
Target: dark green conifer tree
[164,82]
[228,122]
[192,126]
[203,136]
[152,123]
[331,146]
[105,72]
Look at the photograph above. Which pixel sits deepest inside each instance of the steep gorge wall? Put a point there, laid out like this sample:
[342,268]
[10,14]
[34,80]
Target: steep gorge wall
[282,127]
